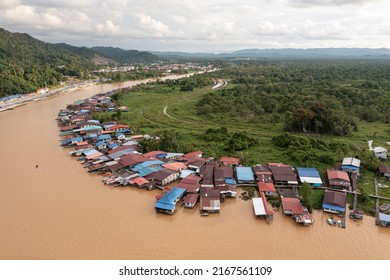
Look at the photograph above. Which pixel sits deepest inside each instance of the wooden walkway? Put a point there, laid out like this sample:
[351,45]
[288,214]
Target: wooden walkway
[376,203]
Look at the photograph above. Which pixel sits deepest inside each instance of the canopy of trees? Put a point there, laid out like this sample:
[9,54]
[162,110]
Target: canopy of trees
[310,96]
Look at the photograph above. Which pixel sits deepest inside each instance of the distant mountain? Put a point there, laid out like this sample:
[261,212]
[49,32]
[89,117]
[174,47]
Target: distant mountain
[96,58]
[284,53]
[126,56]
[315,53]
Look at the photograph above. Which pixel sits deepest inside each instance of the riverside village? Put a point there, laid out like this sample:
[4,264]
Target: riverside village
[194,181]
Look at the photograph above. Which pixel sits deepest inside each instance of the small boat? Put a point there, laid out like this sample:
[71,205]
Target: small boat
[384,207]
[331,222]
[339,223]
[356,214]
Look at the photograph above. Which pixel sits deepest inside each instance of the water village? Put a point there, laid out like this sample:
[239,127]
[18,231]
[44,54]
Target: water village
[193,181]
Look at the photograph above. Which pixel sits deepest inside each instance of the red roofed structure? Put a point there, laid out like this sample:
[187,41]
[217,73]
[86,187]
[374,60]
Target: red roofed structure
[225,160]
[338,179]
[193,154]
[132,159]
[267,188]
[291,206]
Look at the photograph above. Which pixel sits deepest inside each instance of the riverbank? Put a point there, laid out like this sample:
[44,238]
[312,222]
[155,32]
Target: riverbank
[43,94]
[36,96]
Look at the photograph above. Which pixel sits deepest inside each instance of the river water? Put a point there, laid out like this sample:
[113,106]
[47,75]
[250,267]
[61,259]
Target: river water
[59,211]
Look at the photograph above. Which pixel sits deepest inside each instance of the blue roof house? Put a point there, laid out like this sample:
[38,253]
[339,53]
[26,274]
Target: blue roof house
[104,137]
[167,204]
[245,175]
[310,176]
[350,165]
[101,145]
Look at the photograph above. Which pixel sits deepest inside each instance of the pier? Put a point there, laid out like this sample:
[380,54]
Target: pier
[376,203]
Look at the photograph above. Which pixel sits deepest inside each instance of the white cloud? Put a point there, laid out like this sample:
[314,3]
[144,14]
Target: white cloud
[267,28]
[248,9]
[108,28]
[312,3]
[151,26]
[178,19]
[202,24]
[6,4]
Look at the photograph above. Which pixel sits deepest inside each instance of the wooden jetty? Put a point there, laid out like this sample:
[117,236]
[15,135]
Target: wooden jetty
[376,203]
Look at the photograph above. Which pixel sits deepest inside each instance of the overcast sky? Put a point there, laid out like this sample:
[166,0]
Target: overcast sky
[202,25]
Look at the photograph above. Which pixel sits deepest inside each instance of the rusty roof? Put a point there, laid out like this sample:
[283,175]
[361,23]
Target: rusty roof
[293,205]
[266,187]
[229,160]
[337,174]
[163,174]
[335,198]
[384,168]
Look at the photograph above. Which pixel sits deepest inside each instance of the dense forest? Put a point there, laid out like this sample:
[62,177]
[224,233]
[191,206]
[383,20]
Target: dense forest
[326,97]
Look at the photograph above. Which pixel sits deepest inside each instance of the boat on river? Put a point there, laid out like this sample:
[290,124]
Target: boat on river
[331,222]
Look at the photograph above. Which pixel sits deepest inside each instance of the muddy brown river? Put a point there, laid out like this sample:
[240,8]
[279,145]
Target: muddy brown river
[60,211]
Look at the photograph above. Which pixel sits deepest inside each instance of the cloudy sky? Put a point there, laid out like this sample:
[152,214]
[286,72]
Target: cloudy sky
[202,25]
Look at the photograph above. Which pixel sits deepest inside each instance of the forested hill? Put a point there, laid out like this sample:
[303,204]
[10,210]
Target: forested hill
[27,64]
[126,56]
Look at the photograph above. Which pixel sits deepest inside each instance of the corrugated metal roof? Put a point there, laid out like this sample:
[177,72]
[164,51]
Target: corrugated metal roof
[258,206]
[149,170]
[90,152]
[384,217]
[101,143]
[337,174]
[165,206]
[351,161]
[244,174]
[104,137]
[266,187]
[292,204]
[229,160]
[176,166]
[335,198]
[145,164]
[311,180]
[186,172]
[333,207]
[172,196]
[191,198]
[308,172]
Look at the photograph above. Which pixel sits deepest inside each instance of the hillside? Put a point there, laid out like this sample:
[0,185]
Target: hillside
[88,53]
[126,56]
[27,63]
